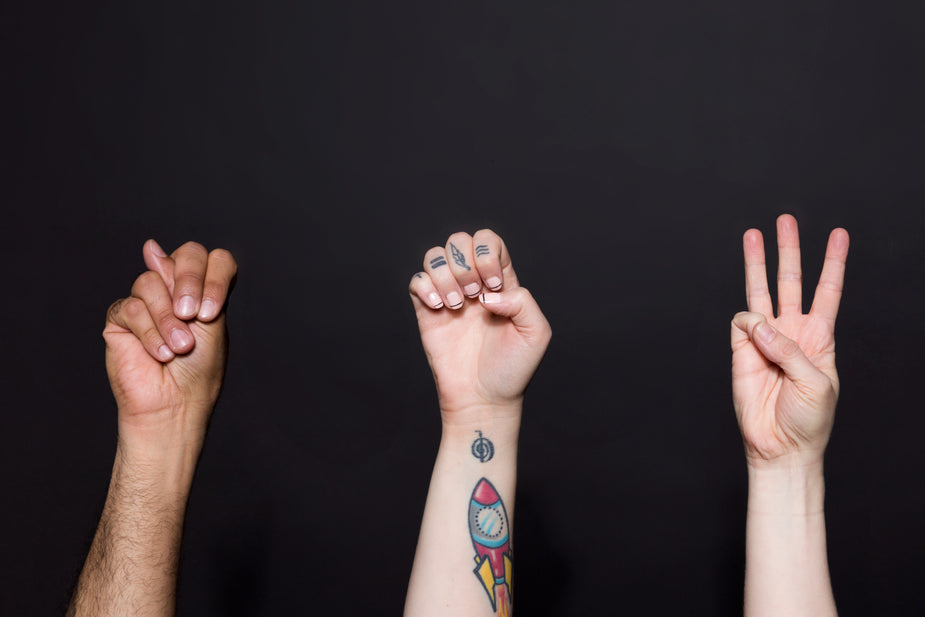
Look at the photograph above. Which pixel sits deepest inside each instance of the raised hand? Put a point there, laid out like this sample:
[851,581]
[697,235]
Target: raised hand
[483,333]
[484,336]
[166,344]
[784,381]
[165,353]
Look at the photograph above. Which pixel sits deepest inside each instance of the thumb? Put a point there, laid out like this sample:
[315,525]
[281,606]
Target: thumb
[776,347]
[158,261]
[518,305]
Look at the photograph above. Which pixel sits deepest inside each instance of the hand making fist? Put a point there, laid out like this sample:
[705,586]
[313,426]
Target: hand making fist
[166,345]
[483,333]
[784,382]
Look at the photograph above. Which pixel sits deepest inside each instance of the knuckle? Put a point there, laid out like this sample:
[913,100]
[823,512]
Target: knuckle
[147,280]
[114,309]
[224,256]
[459,236]
[193,247]
[133,308]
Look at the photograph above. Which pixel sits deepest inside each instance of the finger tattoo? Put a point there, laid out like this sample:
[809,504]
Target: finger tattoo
[436,262]
[458,257]
[482,249]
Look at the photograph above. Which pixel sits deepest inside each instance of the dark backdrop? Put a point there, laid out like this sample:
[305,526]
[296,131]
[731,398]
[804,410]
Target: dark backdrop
[621,149]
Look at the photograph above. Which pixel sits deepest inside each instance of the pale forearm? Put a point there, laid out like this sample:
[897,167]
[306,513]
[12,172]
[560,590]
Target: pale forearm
[132,564]
[444,579]
[786,570]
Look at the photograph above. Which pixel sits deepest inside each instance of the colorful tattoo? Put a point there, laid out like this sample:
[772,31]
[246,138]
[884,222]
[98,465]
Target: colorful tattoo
[491,537]
[482,448]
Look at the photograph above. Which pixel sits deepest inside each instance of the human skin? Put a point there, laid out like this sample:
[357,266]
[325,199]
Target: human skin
[785,388]
[166,346]
[484,336]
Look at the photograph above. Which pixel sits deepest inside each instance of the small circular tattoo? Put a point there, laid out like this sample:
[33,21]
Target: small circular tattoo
[482,448]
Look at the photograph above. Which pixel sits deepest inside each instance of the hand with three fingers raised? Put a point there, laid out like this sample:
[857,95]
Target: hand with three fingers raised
[166,346]
[484,334]
[784,388]
[784,382]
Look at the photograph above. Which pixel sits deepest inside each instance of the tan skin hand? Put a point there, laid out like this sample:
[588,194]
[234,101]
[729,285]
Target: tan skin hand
[481,353]
[166,365]
[785,386]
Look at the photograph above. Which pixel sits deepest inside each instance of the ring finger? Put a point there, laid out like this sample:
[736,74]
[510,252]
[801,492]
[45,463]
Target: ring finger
[436,265]
[150,288]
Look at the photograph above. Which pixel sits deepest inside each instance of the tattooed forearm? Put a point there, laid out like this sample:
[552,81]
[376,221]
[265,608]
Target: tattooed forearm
[491,537]
[458,257]
[436,262]
[482,448]
[482,249]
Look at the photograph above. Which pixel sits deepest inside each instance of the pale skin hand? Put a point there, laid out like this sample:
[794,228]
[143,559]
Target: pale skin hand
[484,337]
[785,387]
[482,353]
[165,354]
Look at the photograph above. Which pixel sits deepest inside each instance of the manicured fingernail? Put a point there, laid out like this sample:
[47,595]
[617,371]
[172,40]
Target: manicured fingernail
[156,248]
[453,299]
[491,298]
[765,332]
[471,289]
[180,339]
[164,353]
[493,282]
[434,299]
[208,310]
[186,307]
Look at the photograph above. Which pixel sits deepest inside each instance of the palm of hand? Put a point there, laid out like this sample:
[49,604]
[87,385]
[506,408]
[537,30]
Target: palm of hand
[477,358]
[146,389]
[777,415]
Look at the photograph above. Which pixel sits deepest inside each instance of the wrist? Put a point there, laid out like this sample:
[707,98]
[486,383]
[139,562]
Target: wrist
[501,420]
[793,486]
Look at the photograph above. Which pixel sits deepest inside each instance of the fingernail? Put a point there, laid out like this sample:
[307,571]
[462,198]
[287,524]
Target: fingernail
[765,332]
[156,248]
[471,289]
[453,299]
[164,353]
[180,339]
[493,282]
[491,298]
[208,310]
[434,299]
[186,307]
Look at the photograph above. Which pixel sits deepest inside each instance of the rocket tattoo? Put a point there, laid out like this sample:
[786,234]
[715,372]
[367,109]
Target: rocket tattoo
[491,537]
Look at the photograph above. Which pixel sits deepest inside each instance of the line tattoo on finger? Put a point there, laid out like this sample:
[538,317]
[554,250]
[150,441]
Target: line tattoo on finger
[482,448]
[458,257]
[436,262]
[482,249]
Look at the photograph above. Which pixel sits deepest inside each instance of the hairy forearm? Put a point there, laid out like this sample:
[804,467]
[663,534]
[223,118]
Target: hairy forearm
[131,568]
[455,571]
[786,571]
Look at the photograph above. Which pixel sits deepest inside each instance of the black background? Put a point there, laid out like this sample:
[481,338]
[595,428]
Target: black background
[621,149]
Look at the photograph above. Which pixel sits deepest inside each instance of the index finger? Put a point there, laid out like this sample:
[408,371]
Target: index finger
[757,296]
[831,281]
